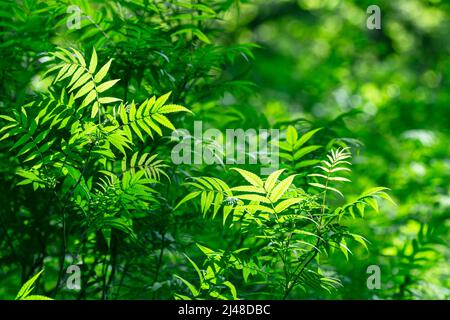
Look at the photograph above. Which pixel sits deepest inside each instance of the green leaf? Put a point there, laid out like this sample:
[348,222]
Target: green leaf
[137,131]
[226,212]
[79,57]
[304,151]
[106,85]
[253,197]
[232,289]
[339,179]
[160,101]
[21,141]
[95,108]
[132,114]
[272,179]
[283,205]
[60,56]
[119,142]
[102,72]
[200,276]
[306,163]
[217,203]
[65,73]
[82,80]
[373,203]
[373,191]
[76,76]
[252,178]
[164,121]
[286,156]
[361,240]
[207,199]
[255,207]
[191,287]
[205,250]
[84,90]
[248,189]
[89,98]
[304,138]
[36,297]
[93,62]
[345,250]
[123,114]
[387,197]
[200,35]
[7,118]
[153,126]
[321,186]
[170,108]
[133,159]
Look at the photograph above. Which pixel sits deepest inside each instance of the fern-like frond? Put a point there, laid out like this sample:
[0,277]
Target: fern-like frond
[336,162]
